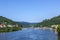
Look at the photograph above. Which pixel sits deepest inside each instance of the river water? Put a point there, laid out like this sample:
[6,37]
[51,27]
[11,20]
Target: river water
[29,34]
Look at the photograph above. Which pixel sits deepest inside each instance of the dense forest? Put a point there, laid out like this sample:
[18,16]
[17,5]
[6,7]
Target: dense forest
[48,22]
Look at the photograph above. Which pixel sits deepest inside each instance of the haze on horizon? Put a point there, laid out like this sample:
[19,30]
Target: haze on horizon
[29,10]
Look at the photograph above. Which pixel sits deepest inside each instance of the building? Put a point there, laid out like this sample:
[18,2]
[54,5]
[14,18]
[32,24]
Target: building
[2,25]
[17,25]
[10,25]
[54,26]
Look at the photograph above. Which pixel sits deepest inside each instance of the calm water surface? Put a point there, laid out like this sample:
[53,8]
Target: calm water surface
[29,34]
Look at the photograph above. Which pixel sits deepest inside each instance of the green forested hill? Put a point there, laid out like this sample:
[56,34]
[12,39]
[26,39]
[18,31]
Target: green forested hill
[3,20]
[48,22]
[7,21]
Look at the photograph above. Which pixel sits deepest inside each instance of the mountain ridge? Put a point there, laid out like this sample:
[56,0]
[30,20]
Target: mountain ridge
[48,22]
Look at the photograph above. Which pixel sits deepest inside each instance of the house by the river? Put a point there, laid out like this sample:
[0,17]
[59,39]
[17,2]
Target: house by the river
[2,25]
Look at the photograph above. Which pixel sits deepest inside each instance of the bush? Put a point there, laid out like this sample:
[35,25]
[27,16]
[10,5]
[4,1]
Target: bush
[58,28]
[10,29]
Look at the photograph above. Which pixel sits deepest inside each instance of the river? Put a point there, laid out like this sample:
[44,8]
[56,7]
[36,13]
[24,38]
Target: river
[29,34]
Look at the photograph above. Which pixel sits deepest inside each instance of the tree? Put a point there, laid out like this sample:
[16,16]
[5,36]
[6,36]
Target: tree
[58,28]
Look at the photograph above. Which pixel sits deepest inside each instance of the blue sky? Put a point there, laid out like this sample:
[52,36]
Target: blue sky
[29,10]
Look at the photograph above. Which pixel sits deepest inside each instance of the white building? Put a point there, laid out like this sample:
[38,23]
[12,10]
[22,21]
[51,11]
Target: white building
[2,25]
[11,25]
[54,26]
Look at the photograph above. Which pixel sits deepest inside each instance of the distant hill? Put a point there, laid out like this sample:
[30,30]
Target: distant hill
[48,22]
[24,24]
[27,24]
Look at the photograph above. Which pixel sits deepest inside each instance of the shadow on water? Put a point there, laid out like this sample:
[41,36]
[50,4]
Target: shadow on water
[58,38]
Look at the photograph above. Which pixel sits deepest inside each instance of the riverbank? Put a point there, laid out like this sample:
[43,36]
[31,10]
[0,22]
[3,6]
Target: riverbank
[10,29]
[58,38]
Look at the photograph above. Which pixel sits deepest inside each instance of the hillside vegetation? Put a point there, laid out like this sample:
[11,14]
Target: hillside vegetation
[5,21]
[48,22]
